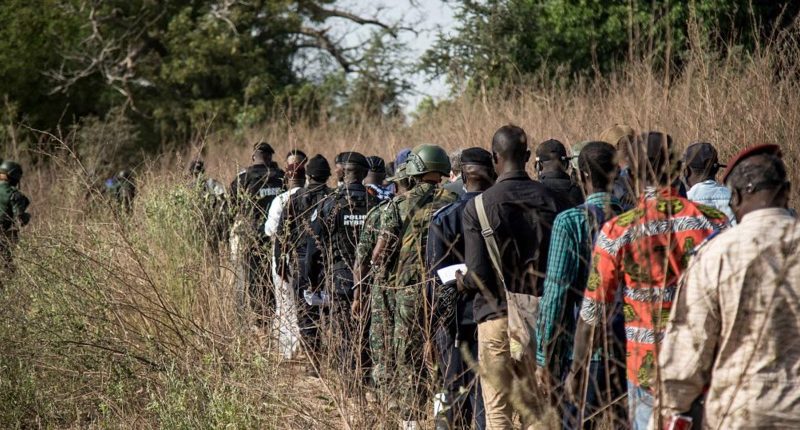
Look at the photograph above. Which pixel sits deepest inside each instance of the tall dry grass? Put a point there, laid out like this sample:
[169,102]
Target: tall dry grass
[116,321]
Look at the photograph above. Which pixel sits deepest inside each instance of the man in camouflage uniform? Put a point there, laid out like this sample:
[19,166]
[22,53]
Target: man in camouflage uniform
[13,212]
[404,234]
[331,255]
[210,195]
[373,301]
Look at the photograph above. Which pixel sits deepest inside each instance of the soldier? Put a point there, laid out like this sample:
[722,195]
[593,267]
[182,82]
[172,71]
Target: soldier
[296,225]
[371,281]
[13,212]
[121,188]
[331,252]
[211,196]
[251,193]
[404,233]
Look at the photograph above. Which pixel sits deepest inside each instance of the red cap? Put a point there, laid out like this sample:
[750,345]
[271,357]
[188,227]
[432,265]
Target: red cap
[749,152]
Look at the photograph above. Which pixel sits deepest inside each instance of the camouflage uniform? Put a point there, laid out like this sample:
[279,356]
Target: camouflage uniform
[13,214]
[381,298]
[406,231]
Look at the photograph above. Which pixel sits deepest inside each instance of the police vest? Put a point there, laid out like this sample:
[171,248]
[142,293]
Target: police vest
[347,216]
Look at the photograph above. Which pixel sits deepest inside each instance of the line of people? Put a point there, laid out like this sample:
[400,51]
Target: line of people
[600,289]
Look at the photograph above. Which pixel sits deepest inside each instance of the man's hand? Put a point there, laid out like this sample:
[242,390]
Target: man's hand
[572,385]
[355,308]
[459,281]
[543,378]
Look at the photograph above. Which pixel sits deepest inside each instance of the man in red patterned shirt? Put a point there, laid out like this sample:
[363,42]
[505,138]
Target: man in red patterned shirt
[642,252]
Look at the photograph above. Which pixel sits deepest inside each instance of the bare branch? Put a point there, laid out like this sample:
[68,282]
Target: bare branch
[320,40]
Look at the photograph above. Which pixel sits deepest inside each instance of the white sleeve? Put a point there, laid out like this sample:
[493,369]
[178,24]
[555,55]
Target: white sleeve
[274,215]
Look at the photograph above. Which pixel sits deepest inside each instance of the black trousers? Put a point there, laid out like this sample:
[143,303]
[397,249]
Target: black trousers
[462,407]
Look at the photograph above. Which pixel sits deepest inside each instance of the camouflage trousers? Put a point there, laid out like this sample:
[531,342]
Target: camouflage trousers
[381,333]
[409,346]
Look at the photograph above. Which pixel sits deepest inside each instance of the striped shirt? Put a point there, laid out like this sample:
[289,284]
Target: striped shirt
[644,251]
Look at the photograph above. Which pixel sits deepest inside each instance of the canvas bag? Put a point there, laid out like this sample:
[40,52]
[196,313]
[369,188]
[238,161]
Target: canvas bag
[522,308]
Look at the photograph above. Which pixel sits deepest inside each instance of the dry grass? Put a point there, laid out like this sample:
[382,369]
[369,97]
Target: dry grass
[127,322]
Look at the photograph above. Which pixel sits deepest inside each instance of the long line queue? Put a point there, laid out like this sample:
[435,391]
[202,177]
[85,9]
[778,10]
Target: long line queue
[630,285]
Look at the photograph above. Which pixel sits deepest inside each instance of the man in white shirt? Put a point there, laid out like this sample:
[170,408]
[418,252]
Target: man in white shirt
[285,305]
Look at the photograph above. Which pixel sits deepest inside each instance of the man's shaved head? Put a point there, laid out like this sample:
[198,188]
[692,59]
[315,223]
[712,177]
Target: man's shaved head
[511,144]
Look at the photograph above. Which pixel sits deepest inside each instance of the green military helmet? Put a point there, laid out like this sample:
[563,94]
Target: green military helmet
[427,158]
[12,170]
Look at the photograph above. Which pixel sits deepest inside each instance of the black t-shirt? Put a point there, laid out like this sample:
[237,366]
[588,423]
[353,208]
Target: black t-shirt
[564,190]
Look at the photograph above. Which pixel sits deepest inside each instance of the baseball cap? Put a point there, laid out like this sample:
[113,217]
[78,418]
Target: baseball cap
[699,155]
[749,152]
[400,165]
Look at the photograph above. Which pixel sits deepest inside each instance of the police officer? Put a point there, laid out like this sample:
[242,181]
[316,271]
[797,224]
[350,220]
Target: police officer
[331,254]
[404,234]
[251,193]
[296,222]
[13,211]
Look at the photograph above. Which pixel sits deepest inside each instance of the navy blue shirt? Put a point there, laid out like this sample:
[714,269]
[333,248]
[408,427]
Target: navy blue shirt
[446,248]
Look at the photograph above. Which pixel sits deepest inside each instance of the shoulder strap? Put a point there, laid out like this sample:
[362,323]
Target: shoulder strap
[488,237]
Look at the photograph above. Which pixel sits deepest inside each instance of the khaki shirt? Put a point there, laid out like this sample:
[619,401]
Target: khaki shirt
[735,328]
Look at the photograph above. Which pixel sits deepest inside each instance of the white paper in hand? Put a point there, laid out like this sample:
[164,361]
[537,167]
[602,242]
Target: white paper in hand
[448,274]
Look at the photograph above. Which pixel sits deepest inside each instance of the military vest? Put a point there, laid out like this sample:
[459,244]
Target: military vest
[411,259]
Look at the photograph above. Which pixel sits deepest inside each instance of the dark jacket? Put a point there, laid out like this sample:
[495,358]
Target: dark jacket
[336,228]
[521,212]
[295,225]
[445,248]
[565,191]
[253,190]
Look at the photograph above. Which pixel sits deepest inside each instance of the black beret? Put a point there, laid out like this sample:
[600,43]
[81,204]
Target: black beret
[318,167]
[263,147]
[352,157]
[476,156]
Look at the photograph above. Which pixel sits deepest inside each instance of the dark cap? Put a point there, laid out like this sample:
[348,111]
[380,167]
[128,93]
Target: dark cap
[477,157]
[376,164]
[263,147]
[749,152]
[400,166]
[318,168]
[353,157]
[655,143]
[551,149]
[402,157]
[197,166]
[700,155]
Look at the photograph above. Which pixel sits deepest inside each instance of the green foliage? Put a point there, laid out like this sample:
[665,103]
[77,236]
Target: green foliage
[175,68]
[502,42]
